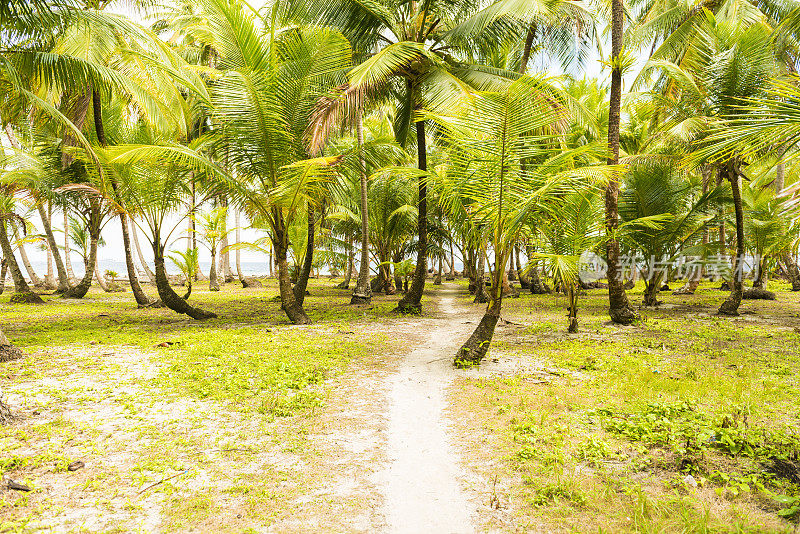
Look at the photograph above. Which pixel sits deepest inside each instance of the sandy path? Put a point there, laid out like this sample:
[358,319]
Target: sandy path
[422,486]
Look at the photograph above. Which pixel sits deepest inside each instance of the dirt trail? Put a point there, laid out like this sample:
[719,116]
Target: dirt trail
[422,485]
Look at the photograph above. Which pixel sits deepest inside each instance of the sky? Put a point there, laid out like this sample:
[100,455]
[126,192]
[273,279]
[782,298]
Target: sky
[110,253]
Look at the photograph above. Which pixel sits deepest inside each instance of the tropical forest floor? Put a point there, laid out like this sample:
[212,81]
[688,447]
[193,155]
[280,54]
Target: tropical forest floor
[685,422]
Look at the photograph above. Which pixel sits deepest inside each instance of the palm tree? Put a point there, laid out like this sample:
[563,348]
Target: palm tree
[415,66]
[619,308]
[211,228]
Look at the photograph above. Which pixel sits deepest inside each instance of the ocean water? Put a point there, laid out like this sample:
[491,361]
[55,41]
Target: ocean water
[249,268]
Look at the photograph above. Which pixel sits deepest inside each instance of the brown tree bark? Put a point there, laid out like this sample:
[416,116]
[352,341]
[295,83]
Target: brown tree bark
[731,304]
[213,281]
[79,291]
[172,300]
[302,280]
[292,309]
[412,300]
[348,275]
[63,278]
[22,292]
[362,294]
[619,309]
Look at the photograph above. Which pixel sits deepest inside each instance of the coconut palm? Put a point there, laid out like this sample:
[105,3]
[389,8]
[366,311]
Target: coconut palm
[211,228]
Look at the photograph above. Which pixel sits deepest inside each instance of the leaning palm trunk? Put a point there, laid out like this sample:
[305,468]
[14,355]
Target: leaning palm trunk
[473,351]
[731,304]
[100,279]
[34,278]
[63,277]
[302,280]
[172,300]
[148,272]
[362,294]
[792,270]
[22,292]
[619,308]
[79,291]
[293,310]
[142,300]
[412,301]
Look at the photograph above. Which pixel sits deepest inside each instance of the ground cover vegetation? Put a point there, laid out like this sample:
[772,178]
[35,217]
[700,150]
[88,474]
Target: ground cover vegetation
[622,248]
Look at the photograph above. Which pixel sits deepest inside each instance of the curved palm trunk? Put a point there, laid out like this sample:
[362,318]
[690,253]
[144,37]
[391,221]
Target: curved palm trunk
[100,279]
[792,270]
[512,269]
[302,280]
[150,275]
[293,310]
[213,280]
[731,304]
[22,291]
[172,300]
[34,278]
[474,350]
[142,300]
[619,309]
[362,294]
[412,301]
[79,291]
[63,277]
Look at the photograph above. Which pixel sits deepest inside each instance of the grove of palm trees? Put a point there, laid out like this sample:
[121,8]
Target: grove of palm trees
[399,266]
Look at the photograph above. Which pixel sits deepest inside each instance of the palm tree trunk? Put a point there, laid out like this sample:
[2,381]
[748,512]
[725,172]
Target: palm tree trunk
[35,280]
[731,304]
[79,291]
[412,301]
[225,255]
[67,258]
[620,309]
[362,294]
[473,351]
[142,300]
[100,279]
[452,275]
[293,310]
[302,280]
[348,275]
[150,275]
[172,300]
[239,252]
[437,281]
[512,269]
[787,259]
[3,274]
[22,292]
[213,281]
[481,296]
[524,282]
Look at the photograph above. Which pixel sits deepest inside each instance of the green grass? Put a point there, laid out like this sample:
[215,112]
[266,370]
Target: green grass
[603,439]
